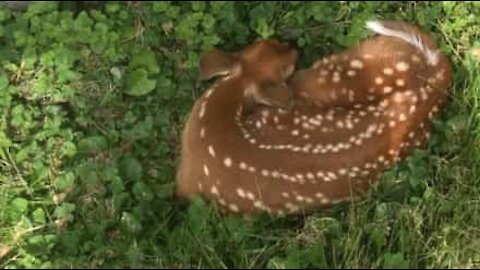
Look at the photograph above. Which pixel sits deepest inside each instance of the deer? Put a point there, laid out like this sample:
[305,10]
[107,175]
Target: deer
[268,139]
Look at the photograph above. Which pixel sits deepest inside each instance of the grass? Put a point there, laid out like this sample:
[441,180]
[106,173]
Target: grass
[93,102]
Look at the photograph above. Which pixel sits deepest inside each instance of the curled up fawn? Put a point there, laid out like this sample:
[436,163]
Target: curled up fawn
[267,138]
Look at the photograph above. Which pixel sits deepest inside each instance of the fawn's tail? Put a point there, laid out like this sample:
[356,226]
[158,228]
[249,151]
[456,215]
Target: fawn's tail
[410,34]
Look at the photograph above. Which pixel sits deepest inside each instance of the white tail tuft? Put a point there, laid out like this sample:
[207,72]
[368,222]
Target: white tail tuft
[408,36]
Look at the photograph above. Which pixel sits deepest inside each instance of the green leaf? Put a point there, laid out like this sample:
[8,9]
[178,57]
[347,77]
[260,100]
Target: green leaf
[142,191]
[293,259]
[198,5]
[23,154]
[316,256]
[42,171]
[172,11]
[197,213]
[93,144]
[276,263]
[38,7]
[130,169]
[87,173]
[160,6]
[377,234]
[36,240]
[138,83]
[4,141]
[141,130]
[4,14]
[65,181]
[41,244]
[112,8]
[66,75]
[166,87]
[394,261]
[69,149]
[3,82]
[130,222]
[39,216]
[117,186]
[145,58]
[263,29]
[64,211]
[19,205]
[164,191]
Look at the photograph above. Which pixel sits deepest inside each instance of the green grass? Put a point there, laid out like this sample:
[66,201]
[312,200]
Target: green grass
[92,105]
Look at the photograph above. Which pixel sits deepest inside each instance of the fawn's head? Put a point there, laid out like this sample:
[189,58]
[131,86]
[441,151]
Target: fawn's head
[263,67]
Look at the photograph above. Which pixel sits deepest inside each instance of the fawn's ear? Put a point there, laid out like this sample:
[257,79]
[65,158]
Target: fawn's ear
[216,62]
[271,94]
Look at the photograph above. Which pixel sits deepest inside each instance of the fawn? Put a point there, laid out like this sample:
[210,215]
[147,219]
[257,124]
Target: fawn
[265,138]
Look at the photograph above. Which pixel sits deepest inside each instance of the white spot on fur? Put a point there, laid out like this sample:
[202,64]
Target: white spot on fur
[202,110]
[402,66]
[242,165]
[241,193]
[415,58]
[259,205]
[233,207]
[333,95]
[291,207]
[399,82]
[214,190]
[356,64]
[222,202]
[227,162]
[336,77]
[412,109]
[205,170]
[387,71]
[211,151]
[387,89]
[209,93]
